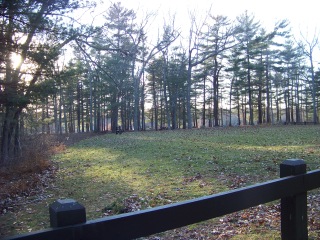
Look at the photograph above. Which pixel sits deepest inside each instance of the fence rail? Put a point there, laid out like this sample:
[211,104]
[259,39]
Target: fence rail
[291,188]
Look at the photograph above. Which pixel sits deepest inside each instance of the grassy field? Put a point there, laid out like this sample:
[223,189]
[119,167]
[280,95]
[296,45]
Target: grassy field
[112,173]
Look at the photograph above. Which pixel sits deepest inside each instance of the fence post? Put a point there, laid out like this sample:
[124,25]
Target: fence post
[66,212]
[294,218]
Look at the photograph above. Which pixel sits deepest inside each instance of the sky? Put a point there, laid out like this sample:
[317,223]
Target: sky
[303,15]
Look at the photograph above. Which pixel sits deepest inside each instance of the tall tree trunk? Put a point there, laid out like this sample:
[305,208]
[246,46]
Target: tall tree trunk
[216,72]
[297,101]
[82,110]
[60,110]
[165,86]
[188,96]
[43,117]
[268,90]
[204,103]
[184,115]
[277,105]
[10,143]
[314,102]
[174,111]
[65,115]
[136,101]
[195,119]
[114,112]
[78,107]
[260,110]
[98,109]
[143,120]
[230,100]
[91,106]
[47,116]
[155,101]
[55,114]
[306,105]
[95,106]
[260,107]
[292,101]
[70,113]
[287,105]
[238,112]
[249,91]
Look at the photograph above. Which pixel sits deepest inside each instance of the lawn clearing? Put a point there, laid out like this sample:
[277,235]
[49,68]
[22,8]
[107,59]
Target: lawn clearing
[111,174]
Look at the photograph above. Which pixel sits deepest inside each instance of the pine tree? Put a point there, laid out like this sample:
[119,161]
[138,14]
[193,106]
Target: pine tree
[35,31]
[247,36]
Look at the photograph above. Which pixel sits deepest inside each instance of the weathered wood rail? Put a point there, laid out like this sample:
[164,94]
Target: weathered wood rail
[291,188]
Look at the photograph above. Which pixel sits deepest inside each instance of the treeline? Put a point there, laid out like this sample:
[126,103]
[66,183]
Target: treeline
[223,72]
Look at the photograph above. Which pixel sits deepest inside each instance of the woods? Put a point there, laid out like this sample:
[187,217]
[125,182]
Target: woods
[59,75]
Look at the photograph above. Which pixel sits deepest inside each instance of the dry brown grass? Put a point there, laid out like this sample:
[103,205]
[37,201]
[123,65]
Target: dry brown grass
[24,175]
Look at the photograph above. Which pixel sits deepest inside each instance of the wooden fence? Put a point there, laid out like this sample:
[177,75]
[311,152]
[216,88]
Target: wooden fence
[68,220]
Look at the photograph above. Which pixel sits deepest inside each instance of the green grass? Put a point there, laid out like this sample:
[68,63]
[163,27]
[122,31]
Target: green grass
[167,166]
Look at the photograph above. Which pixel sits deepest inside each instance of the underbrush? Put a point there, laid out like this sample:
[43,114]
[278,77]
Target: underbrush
[33,171]
[35,154]
[30,172]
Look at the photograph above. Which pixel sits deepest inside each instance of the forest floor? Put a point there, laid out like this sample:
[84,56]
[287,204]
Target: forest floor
[133,171]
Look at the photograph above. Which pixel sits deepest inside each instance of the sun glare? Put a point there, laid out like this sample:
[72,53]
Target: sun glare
[16,60]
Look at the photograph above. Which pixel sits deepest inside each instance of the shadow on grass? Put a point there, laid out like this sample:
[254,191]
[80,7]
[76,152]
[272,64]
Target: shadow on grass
[169,166]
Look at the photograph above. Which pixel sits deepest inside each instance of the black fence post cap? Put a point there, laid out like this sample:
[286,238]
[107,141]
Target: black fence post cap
[292,167]
[64,212]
